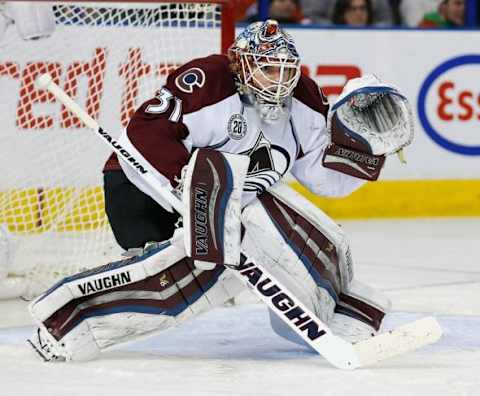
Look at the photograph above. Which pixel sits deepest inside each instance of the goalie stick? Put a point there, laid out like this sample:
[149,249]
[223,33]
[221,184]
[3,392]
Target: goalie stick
[294,313]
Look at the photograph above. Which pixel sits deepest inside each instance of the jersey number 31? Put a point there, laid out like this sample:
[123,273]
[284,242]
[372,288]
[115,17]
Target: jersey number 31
[165,97]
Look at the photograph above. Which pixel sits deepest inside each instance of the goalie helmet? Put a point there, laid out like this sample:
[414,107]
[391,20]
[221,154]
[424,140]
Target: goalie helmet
[266,64]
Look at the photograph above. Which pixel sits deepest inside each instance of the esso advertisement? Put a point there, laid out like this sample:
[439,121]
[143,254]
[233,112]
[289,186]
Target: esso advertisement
[449,105]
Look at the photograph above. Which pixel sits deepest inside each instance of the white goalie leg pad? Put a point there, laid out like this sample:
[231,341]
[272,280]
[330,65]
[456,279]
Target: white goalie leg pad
[78,345]
[212,192]
[293,248]
[84,326]
[107,277]
[337,246]
[310,254]
[360,309]
[368,294]
[359,312]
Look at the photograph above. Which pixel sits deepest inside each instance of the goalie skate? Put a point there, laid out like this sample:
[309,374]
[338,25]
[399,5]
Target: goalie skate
[43,348]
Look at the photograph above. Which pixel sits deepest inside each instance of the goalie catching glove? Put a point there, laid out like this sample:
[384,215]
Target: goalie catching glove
[369,121]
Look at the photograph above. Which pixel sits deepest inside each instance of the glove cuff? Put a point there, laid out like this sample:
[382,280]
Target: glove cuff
[352,162]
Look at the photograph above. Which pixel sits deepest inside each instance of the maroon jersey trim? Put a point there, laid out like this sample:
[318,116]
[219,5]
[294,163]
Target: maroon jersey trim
[202,82]
[197,84]
[310,94]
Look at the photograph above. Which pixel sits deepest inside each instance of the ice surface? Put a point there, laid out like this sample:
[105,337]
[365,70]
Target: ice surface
[425,266]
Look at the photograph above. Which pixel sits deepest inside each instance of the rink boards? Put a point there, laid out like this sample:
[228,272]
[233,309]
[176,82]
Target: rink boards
[442,175]
[389,198]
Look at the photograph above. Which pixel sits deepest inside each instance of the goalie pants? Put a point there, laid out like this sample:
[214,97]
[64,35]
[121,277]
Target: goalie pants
[293,239]
[135,217]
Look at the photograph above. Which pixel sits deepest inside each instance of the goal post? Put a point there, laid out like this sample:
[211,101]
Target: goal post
[109,57]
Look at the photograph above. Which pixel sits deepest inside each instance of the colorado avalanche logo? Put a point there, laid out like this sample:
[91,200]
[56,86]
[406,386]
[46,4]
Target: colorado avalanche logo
[189,79]
[268,163]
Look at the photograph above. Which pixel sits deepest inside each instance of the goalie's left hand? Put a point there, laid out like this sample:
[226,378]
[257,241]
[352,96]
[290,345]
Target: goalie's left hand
[369,121]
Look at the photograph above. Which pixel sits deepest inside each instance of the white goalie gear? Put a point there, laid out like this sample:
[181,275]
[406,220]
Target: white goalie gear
[375,113]
[310,254]
[304,249]
[212,187]
[369,121]
[89,312]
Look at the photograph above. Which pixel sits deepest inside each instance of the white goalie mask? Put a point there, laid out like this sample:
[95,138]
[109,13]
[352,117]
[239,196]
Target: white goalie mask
[266,65]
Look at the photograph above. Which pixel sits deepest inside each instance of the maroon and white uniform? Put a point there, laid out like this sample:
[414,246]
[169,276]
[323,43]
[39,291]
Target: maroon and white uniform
[256,103]
[200,106]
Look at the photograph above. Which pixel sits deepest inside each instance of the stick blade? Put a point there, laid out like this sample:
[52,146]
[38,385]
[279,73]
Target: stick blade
[407,338]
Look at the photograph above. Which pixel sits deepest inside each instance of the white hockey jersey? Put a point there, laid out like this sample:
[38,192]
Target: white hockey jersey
[200,107]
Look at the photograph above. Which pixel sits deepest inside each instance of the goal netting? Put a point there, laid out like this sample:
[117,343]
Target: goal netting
[109,57]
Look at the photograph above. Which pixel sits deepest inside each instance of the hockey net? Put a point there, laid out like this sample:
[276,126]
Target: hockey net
[109,57]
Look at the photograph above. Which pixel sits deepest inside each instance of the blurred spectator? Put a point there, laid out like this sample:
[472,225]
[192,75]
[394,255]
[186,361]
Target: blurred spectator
[478,16]
[450,13]
[353,13]
[412,11]
[395,7]
[284,11]
[321,11]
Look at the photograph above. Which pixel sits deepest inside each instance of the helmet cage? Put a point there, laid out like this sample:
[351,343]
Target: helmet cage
[270,78]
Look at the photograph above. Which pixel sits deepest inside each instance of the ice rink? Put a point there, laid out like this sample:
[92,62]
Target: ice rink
[429,266]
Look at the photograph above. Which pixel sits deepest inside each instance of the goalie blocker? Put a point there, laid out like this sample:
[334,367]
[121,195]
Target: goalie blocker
[211,193]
